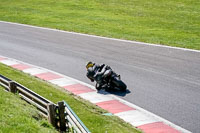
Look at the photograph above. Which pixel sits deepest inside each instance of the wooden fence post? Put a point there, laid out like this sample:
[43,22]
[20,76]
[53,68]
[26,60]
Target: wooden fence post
[51,108]
[12,87]
[61,109]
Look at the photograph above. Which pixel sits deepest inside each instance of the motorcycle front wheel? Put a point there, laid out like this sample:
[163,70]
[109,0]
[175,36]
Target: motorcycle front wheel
[98,86]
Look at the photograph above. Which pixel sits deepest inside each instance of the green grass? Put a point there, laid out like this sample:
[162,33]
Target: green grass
[17,116]
[90,114]
[172,22]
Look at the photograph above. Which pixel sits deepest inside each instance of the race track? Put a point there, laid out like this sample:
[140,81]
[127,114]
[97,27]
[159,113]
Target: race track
[162,80]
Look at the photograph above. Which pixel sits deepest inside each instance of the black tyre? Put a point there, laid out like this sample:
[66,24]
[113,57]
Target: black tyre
[122,86]
[119,84]
[97,86]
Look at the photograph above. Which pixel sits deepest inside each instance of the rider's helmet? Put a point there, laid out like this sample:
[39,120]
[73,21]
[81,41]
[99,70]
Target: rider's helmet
[89,64]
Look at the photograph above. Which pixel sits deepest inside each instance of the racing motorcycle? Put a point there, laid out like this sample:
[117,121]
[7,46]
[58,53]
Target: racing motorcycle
[107,79]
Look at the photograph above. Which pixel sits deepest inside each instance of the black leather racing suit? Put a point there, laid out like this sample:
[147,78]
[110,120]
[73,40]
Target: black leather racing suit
[96,72]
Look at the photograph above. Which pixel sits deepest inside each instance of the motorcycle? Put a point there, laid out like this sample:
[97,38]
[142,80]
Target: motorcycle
[108,80]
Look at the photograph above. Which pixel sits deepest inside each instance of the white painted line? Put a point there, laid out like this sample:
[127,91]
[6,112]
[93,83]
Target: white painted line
[9,62]
[34,71]
[136,118]
[63,82]
[128,41]
[94,97]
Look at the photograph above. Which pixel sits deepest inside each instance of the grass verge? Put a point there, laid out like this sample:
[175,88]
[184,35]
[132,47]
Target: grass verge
[17,116]
[174,23]
[90,114]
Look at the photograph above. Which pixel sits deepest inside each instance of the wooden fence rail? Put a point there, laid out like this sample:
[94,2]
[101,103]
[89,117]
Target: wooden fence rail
[60,115]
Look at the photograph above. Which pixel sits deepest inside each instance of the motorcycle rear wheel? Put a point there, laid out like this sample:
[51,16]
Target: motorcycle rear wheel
[119,84]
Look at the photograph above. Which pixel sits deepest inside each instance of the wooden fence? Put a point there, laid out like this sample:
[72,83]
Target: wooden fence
[60,115]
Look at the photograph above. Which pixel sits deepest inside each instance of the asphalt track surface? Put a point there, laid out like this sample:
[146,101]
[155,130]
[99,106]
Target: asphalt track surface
[162,80]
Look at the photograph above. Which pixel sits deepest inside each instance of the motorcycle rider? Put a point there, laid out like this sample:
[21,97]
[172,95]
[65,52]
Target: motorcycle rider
[104,76]
[96,71]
